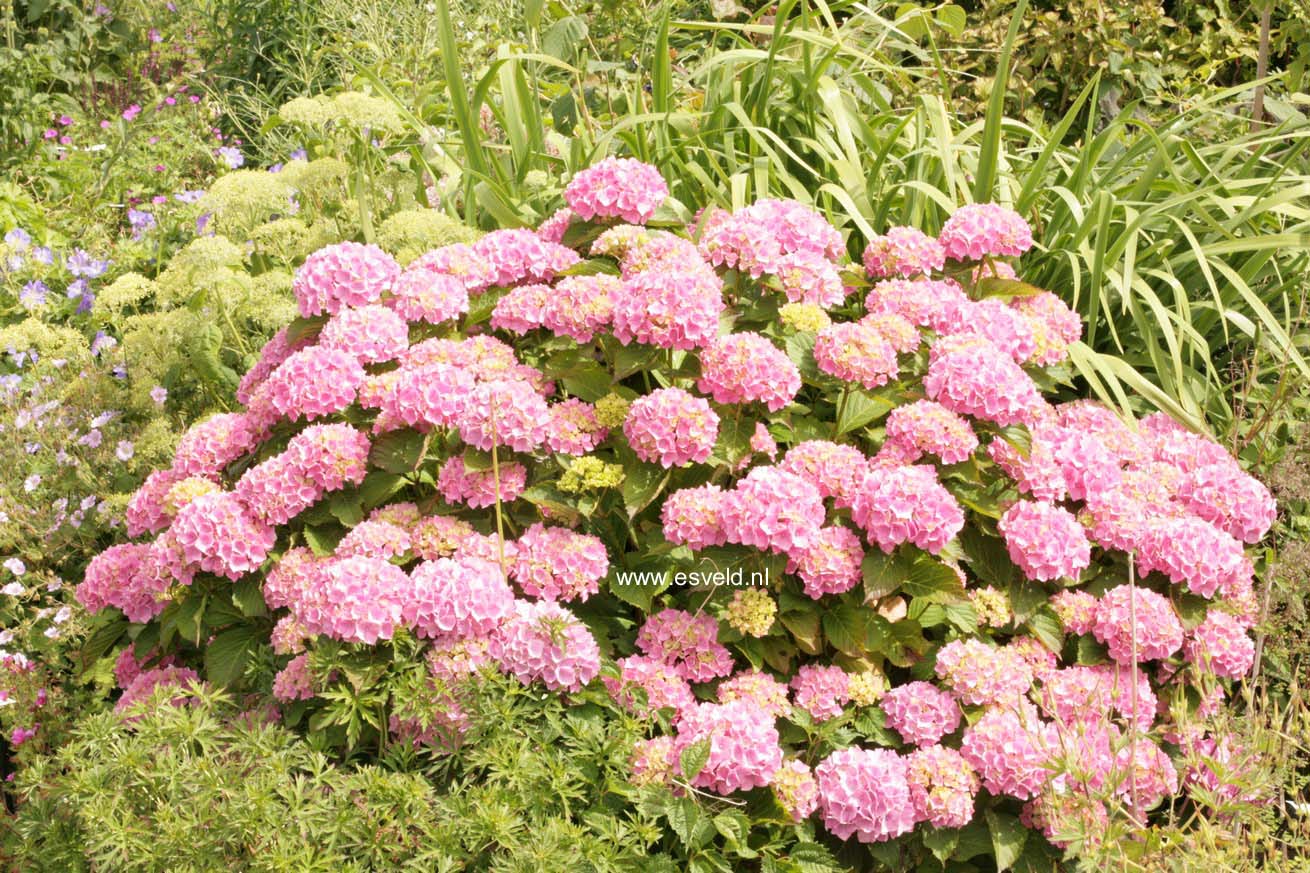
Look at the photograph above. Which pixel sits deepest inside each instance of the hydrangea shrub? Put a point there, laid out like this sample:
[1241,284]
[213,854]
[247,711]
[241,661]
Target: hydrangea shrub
[822,522]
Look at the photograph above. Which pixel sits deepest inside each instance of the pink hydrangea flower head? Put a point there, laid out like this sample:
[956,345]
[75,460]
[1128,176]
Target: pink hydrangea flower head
[331,456]
[922,302]
[276,490]
[762,441]
[216,533]
[979,230]
[687,642]
[151,681]
[748,368]
[660,683]
[942,786]
[544,642]
[209,446]
[124,576]
[294,681]
[998,323]
[809,277]
[830,564]
[670,308]
[864,793]
[438,536]
[1220,645]
[796,790]
[856,352]
[691,517]
[522,310]
[758,688]
[573,428]
[1008,750]
[355,600]
[452,659]
[653,761]
[1054,326]
[1038,474]
[743,745]
[510,257]
[921,713]
[925,427]
[774,510]
[556,225]
[374,539]
[274,352]
[1075,609]
[344,274]
[836,470]
[1192,552]
[972,376]
[1045,541]
[465,598]
[146,512]
[907,505]
[903,251]
[1229,498]
[478,489]
[459,261]
[289,580]
[671,427]
[977,673]
[505,412]
[622,188]
[1129,616]
[371,334]
[422,396]
[555,563]
[1148,774]
[422,295]
[821,691]
[579,307]
[314,382]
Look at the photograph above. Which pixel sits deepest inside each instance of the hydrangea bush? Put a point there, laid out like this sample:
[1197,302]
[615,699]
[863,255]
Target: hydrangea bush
[819,522]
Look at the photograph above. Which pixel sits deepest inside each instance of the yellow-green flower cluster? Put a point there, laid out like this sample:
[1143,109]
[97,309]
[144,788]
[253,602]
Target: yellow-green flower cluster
[127,290]
[611,411]
[804,317]
[590,473]
[992,606]
[411,232]
[752,611]
[867,687]
[241,200]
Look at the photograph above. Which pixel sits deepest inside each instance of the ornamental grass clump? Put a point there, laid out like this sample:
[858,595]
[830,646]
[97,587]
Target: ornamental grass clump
[562,455]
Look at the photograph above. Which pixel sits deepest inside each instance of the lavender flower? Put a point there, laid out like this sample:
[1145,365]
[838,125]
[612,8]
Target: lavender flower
[33,295]
[18,239]
[231,156]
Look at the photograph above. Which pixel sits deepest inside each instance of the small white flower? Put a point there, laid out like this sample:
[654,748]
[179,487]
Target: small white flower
[63,615]
[14,589]
[52,632]
[31,483]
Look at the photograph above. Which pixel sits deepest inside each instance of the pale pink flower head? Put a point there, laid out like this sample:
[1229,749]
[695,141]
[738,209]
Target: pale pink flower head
[1045,541]
[796,790]
[622,188]
[356,600]
[331,456]
[854,351]
[1054,326]
[509,257]
[313,383]
[903,251]
[1229,498]
[275,491]
[673,306]
[1192,552]
[209,446]
[972,376]
[864,793]
[689,643]
[762,441]
[553,228]
[743,745]
[555,563]
[660,683]
[422,295]
[979,230]
[573,428]
[748,368]
[124,576]
[920,712]
[821,691]
[274,352]
[544,642]
[217,534]
[372,334]
[466,598]
[830,564]
[761,689]
[1129,616]
[147,511]
[478,489]
[942,786]
[692,517]
[653,761]
[522,310]
[344,274]
[1008,749]
[1221,646]
[294,681]
[930,303]
[1075,609]
[906,505]
[977,673]
[579,307]
[374,539]
[505,412]
[925,427]
[671,427]
[774,510]
[998,323]
[836,470]
[421,396]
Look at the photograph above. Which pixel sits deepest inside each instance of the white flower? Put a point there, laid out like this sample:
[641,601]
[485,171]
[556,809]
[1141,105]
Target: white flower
[63,615]
[31,483]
